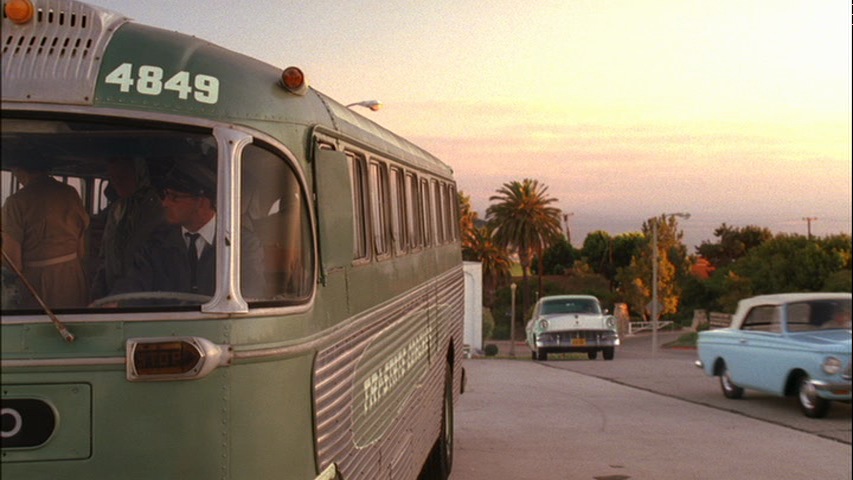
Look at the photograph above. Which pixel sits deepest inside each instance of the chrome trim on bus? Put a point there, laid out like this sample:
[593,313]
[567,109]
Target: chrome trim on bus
[227,297]
[62,362]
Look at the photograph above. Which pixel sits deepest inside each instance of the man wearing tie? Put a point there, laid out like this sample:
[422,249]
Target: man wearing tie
[181,256]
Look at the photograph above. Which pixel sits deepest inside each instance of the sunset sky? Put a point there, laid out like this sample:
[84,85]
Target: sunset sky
[733,111]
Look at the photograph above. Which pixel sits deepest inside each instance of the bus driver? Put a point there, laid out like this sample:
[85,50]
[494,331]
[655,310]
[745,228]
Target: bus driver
[181,257]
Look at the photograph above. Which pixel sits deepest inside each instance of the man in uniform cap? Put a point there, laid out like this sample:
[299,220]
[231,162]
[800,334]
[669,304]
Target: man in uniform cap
[182,257]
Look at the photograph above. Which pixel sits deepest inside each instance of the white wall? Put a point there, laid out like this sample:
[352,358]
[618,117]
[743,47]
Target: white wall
[473,333]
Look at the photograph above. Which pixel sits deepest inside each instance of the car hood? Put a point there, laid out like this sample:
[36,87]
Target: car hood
[574,321]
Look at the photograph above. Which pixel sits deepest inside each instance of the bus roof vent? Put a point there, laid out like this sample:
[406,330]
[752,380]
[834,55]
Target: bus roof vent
[55,56]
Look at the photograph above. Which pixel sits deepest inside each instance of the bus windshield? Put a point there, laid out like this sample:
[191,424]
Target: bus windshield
[122,215]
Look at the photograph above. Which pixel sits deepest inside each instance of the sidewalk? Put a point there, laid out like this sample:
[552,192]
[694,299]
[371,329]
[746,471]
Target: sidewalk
[504,347]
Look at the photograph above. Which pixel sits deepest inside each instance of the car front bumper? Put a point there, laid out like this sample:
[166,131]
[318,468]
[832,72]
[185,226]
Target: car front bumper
[576,340]
[832,390]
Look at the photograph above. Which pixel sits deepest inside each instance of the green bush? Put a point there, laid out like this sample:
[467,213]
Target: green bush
[491,350]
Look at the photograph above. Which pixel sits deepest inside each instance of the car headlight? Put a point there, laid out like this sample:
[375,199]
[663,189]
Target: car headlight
[832,365]
[543,324]
[611,322]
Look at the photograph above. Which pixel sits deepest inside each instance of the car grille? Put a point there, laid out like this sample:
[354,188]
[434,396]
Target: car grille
[591,336]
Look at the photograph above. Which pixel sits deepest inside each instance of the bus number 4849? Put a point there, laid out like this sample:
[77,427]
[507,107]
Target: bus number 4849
[149,81]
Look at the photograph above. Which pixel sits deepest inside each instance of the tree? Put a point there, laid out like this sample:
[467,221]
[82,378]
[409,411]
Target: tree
[467,223]
[625,247]
[673,263]
[787,263]
[524,221]
[734,243]
[495,260]
[558,258]
[597,252]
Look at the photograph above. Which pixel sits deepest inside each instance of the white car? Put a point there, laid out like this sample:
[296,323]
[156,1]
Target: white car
[571,323]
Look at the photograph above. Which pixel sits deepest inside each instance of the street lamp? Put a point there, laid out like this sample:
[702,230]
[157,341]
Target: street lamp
[655,305]
[371,104]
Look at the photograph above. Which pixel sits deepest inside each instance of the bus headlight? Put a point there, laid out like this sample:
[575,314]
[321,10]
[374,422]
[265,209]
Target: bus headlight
[173,358]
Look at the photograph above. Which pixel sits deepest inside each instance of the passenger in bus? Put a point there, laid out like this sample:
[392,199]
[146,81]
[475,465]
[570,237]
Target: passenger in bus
[43,226]
[130,219]
[181,257]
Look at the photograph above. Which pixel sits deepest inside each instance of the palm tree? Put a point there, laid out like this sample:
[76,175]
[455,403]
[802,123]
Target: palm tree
[477,246]
[467,225]
[495,260]
[524,220]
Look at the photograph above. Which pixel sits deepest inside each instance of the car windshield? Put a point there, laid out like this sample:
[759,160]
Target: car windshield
[819,315]
[572,305]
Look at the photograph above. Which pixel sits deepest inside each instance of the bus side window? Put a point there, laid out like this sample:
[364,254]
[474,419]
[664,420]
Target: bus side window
[274,209]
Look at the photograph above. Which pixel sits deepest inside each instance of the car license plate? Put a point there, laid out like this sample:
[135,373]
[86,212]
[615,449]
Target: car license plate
[578,342]
[46,422]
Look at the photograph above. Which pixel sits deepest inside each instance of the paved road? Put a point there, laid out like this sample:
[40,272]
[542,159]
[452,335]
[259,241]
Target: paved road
[637,417]
[672,373]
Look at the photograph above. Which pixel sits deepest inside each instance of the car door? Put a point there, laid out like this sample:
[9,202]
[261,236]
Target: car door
[751,362]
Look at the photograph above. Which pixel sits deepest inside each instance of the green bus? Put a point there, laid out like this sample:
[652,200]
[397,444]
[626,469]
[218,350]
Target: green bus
[308,327]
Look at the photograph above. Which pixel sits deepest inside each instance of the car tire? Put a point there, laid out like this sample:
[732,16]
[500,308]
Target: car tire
[592,355]
[811,404]
[609,353]
[730,390]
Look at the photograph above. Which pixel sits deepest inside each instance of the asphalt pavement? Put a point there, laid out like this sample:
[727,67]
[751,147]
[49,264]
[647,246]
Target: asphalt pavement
[528,420]
[671,372]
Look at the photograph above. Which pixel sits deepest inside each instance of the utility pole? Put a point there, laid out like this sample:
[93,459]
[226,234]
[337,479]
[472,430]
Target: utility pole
[512,288]
[566,222]
[809,221]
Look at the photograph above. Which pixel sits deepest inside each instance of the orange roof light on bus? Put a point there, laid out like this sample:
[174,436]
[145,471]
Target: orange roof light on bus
[19,11]
[294,81]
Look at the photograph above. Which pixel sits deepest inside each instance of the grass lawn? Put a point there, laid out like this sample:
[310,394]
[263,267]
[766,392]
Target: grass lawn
[688,340]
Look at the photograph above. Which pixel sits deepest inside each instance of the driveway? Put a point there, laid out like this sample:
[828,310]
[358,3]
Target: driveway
[671,373]
[521,419]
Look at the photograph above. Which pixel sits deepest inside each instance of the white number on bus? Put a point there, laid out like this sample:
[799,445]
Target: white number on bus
[149,81]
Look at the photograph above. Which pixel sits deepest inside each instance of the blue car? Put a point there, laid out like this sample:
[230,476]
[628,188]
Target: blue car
[795,344]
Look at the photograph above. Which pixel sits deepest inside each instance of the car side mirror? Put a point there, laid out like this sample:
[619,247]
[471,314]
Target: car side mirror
[606,311]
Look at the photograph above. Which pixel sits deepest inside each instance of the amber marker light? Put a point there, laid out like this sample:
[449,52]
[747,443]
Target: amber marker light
[20,11]
[293,80]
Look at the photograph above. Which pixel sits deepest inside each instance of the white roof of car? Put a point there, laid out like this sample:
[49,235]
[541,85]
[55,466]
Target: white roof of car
[781,299]
[565,297]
